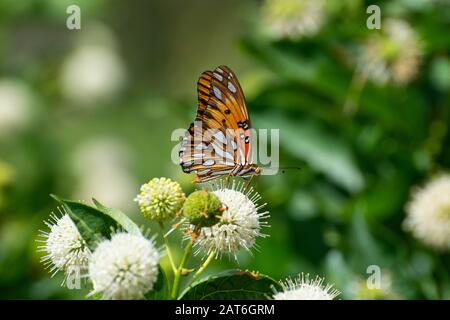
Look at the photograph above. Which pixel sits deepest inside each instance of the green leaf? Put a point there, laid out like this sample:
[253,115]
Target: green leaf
[93,224]
[161,289]
[365,247]
[323,151]
[120,217]
[232,285]
[339,272]
[309,69]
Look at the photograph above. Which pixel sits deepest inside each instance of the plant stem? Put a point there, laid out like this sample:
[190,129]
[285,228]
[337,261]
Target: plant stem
[169,253]
[357,83]
[177,276]
[204,265]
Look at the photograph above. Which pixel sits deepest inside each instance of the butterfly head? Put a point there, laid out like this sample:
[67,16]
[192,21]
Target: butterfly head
[255,169]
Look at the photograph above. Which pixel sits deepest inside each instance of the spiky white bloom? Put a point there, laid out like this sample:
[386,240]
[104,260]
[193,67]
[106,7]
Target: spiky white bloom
[92,73]
[305,288]
[239,225]
[393,55]
[428,213]
[125,267]
[160,199]
[15,105]
[66,249]
[293,18]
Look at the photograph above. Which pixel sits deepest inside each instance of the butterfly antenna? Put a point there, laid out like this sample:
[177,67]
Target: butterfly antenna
[283,169]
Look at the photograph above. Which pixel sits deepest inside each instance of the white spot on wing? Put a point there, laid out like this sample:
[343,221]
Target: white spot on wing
[201,146]
[203,172]
[226,163]
[208,162]
[217,76]
[217,93]
[231,87]
[219,151]
[221,137]
[220,172]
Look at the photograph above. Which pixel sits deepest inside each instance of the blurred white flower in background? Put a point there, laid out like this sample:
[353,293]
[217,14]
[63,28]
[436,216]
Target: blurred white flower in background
[305,288]
[292,18]
[93,72]
[394,55]
[428,213]
[15,106]
[125,267]
[101,167]
[240,223]
[360,290]
[65,249]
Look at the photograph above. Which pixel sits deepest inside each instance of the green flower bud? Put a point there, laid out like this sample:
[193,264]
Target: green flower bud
[202,207]
[160,199]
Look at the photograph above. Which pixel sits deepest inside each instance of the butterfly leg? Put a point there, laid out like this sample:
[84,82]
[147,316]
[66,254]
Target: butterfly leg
[227,179]
[248,182]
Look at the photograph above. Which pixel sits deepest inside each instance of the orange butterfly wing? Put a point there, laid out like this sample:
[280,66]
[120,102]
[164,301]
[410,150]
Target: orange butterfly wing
[221,104]
[222,108]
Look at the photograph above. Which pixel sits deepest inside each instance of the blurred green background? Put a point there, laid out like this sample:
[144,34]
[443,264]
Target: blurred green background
[90,112]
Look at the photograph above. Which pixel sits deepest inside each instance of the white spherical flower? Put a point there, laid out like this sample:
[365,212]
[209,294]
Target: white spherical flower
[239,225]
[15,105]
[428,213]
[66,249]
[293,18]
[125,267]
[92,73]
[394,55]
[160,199]
[305,288]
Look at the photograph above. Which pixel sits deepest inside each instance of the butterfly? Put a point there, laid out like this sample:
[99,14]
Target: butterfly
[219,142]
